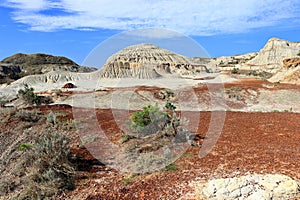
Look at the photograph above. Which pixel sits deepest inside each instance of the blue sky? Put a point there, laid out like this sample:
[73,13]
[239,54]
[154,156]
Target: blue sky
[73,28]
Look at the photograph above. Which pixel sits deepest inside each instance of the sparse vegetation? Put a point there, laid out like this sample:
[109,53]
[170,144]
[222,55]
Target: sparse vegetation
[28,95]
[149,121]
[68,125]
[234,92]
[52,118]
[298,54]
[171,167]
[41,153]
[49,172]
[235,71]
[23,146]
[125,138]
[152,129]
[128,179]
[29,115]
[88,139]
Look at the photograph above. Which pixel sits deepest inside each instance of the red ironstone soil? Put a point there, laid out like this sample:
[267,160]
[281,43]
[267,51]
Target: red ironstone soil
[249,143]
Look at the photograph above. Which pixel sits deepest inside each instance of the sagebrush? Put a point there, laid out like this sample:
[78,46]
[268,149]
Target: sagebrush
[49,170]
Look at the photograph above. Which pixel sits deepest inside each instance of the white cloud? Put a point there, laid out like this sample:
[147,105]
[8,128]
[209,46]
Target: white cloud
[205,17]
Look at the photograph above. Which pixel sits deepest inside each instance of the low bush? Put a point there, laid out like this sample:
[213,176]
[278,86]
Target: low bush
[154,128]
[148,121]
[49,171]
[28,95]
[29,115]
[235,71]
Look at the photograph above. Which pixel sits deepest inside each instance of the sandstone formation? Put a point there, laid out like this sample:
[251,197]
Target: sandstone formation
[227,63]
[148,61]
[277,61]
[291,63]
[290,73]
[270,57]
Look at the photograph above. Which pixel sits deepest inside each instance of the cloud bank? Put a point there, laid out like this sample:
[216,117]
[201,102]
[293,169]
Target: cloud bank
[200,18]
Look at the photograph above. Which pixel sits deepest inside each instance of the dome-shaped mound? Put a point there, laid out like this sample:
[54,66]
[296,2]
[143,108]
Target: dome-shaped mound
[147,61]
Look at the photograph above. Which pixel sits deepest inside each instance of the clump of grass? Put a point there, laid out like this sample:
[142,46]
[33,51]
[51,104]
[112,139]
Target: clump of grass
[128,179]
[171,167]
[24,146]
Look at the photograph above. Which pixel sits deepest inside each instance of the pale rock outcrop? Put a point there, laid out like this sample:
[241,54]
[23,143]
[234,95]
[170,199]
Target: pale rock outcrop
[290,73]
[227,63]
[148,61]
[250,187]
[270,57]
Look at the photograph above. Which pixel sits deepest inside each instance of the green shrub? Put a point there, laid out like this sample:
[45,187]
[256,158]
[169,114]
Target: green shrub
[298,54]
[235,71]
[28,95]
[170,106]
[149,121]
[171,167]
[23,146]
[129,179]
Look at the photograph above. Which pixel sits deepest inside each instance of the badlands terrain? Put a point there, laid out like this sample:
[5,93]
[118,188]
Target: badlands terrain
[242,111]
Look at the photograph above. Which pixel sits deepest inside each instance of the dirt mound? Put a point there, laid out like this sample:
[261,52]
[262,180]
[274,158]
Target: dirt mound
[69,85]
[148,61]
